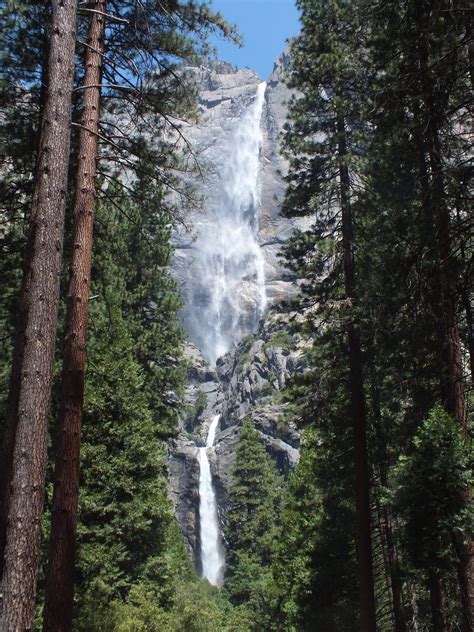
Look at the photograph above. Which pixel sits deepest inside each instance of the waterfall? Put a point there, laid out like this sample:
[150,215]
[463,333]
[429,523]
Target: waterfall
[212,556]
[230,296]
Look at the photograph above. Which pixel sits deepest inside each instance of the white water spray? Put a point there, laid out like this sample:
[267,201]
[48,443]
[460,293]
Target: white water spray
[231,296]
[212,556]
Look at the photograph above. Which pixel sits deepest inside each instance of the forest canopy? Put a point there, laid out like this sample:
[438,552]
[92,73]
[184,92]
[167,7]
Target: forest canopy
[372,529]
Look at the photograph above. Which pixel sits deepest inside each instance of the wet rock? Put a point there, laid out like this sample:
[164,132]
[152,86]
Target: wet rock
[247,381]
[183,469]
[225,94]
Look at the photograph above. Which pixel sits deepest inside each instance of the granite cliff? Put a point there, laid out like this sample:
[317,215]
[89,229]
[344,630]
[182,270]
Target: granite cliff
[240,354]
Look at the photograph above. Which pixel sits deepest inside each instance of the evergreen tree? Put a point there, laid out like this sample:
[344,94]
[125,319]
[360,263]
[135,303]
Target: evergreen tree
[404,107]
[431,478]
[133,393]
[316,564]
[321,142]
[22,95]
[59,586]
[27,421]
[158,33]
[251,520]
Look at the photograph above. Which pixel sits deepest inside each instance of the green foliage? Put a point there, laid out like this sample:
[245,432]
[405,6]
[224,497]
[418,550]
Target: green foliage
[22,40]
[432,481]
[282,339]
[196,607]
[192,414]
[127,533]
[315,567]
[251,526]
[389,74]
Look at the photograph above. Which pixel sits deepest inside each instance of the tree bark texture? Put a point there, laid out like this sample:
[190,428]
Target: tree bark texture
[438,603]
[11,418]
[60,578]
[18,584]
[452,384]
[452,379]
[393,565]
[434,104]
[364,542]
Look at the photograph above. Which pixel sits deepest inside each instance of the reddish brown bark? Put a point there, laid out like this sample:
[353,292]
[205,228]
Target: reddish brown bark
[60,579]
[452,381]
[362,484]
[18,585]
[11,418]
[439,612]
[434,104]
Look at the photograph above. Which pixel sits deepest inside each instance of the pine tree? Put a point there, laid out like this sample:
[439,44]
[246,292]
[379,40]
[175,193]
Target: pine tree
[425,85]
[316,563]
[321,144]
[59,587]
[23,79]
[251,520]
[47,227]
[132,399]
[431,477]
[155,36]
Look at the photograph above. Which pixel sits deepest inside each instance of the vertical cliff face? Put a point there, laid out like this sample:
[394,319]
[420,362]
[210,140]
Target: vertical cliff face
[274,229]
[231,279]
[227,263]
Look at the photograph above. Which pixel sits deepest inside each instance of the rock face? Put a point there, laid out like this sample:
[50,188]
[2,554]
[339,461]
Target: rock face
[245,384]
[232,281]
[227,263]
[274,229]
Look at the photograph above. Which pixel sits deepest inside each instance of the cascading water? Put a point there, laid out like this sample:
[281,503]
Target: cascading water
[230,297]
[212,556]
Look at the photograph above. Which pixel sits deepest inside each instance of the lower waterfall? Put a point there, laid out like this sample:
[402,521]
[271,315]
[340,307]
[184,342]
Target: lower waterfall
[212,556]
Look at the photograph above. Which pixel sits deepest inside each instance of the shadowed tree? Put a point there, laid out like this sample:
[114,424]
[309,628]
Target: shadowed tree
[42,276]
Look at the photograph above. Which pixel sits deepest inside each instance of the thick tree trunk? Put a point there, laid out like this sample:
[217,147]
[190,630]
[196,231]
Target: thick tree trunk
[438,604]
[452,380]
[60,579]
[466,301]
[11,419]
[17,588]
[364,543]
[452,384]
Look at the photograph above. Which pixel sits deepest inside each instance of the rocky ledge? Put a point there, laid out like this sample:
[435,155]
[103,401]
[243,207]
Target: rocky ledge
[246,383]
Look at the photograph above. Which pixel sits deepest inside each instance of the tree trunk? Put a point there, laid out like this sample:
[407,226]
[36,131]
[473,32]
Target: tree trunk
[438,603]
[435,102]
[452,379]
[364,543]
[60,579]
[470,328]
[17,588]
[393,566]
[415,625]
[452,386]
[11,418]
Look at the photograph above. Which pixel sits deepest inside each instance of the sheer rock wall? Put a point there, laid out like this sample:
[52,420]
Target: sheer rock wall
[246,381]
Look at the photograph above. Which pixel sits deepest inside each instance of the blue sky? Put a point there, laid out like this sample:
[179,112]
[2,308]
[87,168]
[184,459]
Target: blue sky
[264,25]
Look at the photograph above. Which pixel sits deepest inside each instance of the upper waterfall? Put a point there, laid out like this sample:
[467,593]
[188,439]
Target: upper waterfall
[228,296]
